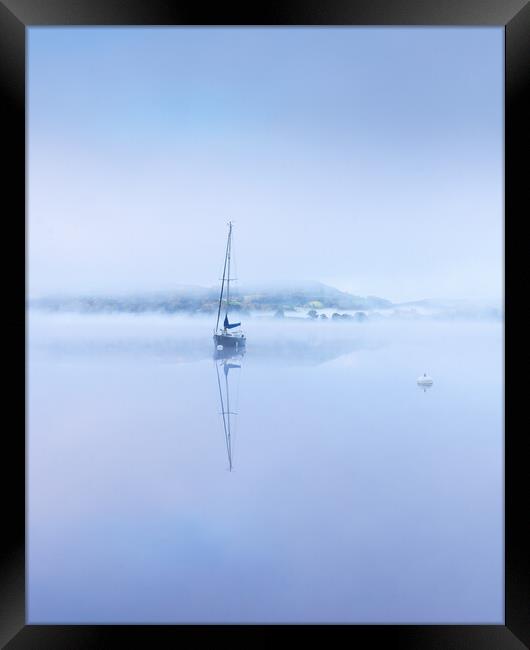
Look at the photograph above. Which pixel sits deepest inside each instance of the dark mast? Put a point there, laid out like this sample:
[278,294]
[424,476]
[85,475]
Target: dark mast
[226,279]
[227,261]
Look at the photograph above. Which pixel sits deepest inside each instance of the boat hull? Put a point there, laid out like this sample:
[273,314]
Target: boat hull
[232,341]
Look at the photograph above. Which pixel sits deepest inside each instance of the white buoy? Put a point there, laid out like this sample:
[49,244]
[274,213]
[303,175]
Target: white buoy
[219,347]
[425,380]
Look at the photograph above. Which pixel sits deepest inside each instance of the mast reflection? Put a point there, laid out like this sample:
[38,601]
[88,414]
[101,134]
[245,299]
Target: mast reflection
[226,360]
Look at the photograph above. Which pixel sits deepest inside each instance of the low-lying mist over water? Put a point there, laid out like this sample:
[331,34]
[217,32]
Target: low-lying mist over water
[310,300]
[344,492]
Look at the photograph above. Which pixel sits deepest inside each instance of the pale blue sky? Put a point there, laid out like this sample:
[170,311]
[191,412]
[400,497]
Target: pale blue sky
[366,158]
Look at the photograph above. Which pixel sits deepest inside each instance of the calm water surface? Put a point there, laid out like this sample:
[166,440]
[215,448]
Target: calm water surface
[354,495]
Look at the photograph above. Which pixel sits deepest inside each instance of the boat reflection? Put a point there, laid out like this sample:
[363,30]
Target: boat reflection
[225,361]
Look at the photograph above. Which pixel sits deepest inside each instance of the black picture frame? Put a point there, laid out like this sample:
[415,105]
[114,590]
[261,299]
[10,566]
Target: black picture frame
[15,17]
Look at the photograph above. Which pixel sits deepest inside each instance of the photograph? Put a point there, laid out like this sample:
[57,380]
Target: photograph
[265,325]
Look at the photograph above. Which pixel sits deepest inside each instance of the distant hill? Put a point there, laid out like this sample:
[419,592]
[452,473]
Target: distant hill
[450,303]
[302,295]
[194,299]
[453,309]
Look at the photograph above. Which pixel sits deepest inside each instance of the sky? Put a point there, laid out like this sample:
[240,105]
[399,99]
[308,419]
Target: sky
[370,159]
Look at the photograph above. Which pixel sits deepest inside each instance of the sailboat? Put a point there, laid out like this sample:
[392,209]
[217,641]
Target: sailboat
[230,334]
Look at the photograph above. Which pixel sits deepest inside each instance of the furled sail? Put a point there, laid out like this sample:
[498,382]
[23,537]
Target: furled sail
[230,326]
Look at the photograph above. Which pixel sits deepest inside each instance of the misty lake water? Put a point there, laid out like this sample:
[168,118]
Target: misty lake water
[354,497]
